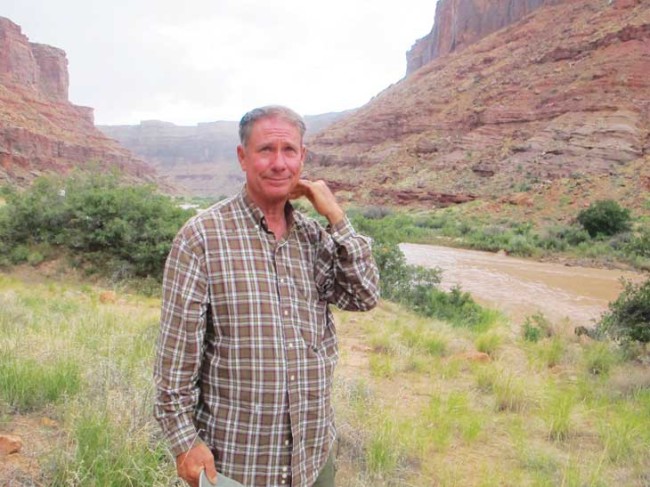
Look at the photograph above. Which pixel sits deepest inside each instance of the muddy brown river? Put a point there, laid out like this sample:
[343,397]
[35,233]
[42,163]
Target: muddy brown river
[522,287]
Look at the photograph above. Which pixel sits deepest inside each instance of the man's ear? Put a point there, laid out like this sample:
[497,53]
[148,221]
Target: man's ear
[241,155]
[303,158]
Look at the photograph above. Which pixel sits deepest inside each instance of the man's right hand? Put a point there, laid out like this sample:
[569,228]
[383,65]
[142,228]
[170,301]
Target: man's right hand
[190,464]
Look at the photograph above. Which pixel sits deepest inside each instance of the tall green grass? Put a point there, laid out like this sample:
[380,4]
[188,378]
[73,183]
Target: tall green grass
[28,384]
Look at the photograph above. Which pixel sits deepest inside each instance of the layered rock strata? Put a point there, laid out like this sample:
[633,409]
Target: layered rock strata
[562,94]
[40,130]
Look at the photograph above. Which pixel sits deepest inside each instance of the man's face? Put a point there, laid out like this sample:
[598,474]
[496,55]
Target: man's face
[272,160]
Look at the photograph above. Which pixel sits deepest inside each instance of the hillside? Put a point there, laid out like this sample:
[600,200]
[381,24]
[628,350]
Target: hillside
[40,130]
[200,158]
[543,116]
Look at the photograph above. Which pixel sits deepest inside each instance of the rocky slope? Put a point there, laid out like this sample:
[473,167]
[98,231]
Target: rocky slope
[560,98]
[40,130]
[201,158]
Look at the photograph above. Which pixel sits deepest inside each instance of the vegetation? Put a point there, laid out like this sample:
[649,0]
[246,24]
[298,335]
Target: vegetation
[101,223]
[628,318]
[413,286]
[413,399]
[411,403]
[604,217]
[629,244]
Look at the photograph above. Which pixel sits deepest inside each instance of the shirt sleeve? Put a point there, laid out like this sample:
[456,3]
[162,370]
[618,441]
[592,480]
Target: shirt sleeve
[351,276]
[180,343]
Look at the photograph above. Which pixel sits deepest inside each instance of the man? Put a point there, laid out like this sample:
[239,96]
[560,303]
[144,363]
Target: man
[247,345]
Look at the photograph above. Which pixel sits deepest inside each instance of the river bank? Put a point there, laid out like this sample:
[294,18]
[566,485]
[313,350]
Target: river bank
[521,287]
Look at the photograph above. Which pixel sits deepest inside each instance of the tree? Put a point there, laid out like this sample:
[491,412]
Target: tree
[604,217]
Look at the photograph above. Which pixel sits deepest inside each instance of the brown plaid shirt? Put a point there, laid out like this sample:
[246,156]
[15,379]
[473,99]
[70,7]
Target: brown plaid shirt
[248,347]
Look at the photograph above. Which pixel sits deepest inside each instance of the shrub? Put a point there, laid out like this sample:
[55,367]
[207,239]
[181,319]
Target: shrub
[102,221]
[604,217]
[639,244]
[535,327]
[628,317]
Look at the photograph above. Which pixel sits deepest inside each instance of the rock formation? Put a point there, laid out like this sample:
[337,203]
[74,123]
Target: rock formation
[40,130]
[560,97]
[460,23]
[200,158]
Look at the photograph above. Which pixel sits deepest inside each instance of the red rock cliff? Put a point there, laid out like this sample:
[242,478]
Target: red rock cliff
[40,130]
[459,23]
[43,68]
[557,101]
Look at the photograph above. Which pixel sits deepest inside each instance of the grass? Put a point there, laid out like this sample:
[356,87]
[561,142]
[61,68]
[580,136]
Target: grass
[86,365]
[27,384]
[412,409]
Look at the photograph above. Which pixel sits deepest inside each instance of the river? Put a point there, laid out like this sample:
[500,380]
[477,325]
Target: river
[522,287]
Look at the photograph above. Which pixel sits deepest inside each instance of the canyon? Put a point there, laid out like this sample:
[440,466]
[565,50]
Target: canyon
[530,108]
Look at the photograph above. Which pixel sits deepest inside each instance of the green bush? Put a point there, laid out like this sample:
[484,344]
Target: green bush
[628,317]
[112,226]
[639,245]
[604,217]
[536,327]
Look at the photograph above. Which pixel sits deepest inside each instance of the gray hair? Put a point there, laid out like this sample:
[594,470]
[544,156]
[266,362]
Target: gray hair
[270,111]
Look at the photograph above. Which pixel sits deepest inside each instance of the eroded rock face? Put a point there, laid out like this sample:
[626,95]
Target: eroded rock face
[38,66]
[40,130]
[460,23]
[563,93]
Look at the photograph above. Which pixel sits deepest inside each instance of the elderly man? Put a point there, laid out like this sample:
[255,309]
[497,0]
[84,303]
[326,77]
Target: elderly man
[247,346]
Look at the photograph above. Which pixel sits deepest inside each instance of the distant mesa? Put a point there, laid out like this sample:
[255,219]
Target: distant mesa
[201,158]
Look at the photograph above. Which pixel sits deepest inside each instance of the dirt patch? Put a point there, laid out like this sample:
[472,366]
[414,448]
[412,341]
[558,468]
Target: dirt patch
[40,436]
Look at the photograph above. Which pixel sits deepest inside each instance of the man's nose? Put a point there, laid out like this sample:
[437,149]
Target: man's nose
[278,160]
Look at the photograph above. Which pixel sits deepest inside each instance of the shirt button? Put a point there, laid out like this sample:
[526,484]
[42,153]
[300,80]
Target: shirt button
[284,476]
[286,442]
[285,469]
[293,377]
[290,345]
[286,312]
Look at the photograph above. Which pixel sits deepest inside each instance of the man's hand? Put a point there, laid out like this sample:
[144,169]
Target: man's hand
[321,198]
[190,464]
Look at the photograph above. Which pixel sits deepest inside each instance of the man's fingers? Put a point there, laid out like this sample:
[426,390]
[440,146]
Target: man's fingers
[211,472]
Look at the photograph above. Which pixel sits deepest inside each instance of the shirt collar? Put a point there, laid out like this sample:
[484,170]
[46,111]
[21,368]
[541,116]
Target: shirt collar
[257,215]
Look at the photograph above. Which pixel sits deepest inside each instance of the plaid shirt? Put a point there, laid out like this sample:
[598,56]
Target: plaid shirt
[248,347]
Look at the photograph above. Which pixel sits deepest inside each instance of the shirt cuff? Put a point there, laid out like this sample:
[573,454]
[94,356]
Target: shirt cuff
[342,230]
[183,438]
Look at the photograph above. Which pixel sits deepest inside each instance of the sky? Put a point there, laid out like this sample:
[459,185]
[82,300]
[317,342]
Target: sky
[193,61]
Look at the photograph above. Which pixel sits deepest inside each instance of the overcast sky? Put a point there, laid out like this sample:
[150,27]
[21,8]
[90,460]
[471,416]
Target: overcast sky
[190,61]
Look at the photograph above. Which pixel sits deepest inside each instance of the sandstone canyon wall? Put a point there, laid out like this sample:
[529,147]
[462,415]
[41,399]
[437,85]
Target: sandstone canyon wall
[559,101]
[40,130]
[460,23]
